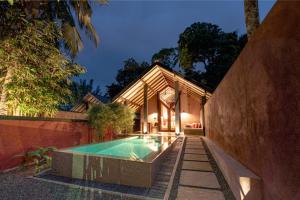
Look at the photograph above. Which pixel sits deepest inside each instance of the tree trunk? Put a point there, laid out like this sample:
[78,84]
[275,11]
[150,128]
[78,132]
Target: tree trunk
[251,16]
[3,95]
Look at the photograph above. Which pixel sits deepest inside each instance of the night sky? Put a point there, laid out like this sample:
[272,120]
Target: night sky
[139,29]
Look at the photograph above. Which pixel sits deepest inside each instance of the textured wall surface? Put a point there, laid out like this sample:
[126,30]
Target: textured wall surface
[19,136]
[254,113]
[70,115]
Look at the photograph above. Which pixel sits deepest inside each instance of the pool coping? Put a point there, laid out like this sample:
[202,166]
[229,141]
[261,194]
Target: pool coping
[174,171]
[122,195]
[108,169]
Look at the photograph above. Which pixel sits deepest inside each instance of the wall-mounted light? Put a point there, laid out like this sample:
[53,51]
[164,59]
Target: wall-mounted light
[154,116]
[245,184]
[184,114]
[145,128]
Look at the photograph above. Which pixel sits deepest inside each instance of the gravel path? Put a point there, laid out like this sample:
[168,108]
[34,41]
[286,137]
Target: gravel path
[15,185]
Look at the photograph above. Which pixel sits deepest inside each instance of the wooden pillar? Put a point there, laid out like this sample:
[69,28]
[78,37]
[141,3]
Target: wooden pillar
[203,101]
[177,108]
[145,129]
[158,111]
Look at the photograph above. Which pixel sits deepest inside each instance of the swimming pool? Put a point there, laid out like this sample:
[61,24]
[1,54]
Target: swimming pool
[142,148]
[132,161]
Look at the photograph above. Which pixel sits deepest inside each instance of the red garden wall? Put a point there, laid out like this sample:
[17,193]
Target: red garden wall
[18,136]
[254,114]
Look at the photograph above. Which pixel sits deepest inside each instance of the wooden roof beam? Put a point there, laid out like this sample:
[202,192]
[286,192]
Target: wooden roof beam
[148,85]
[130,102]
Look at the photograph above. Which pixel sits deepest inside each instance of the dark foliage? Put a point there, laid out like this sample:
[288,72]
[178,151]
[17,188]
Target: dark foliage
[79,90]
[166,56]
[69,16]
[207,45]
[129,72]
[201,44]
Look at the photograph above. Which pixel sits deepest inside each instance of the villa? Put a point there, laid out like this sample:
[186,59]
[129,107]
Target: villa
[239,142]
[165,102]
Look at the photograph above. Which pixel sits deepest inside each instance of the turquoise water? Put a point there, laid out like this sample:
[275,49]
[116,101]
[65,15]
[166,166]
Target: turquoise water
[133,148]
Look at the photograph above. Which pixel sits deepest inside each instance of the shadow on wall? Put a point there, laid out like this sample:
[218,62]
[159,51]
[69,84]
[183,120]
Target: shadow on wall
[19,136]
[253,115]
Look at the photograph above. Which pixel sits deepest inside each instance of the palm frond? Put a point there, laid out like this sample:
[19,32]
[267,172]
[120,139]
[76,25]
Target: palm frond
[90,30]
[83,12]
[72,38]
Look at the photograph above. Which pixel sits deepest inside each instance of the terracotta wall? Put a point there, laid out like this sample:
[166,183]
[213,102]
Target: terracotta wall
[19,136]
[254,113]
[70,115]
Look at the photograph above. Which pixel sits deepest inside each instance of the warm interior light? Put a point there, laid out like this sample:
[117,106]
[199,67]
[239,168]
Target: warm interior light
[145,128]
[184,114]
[177,131]
[154,116]
[245,183]
[165,115]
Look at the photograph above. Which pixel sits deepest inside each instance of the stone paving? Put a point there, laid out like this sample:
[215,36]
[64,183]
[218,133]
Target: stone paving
[197,178]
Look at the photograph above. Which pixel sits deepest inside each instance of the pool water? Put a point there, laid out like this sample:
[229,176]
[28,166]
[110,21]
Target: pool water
[133,148]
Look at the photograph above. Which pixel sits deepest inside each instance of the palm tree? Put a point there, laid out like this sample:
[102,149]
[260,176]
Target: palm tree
[14,12]
[62,13]
[251,16]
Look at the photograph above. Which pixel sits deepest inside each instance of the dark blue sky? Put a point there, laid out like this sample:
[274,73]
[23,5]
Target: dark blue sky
[138,29]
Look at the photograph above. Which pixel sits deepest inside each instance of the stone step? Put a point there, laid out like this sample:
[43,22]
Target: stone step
[194,165]
[195,151]
[199,179]
[190,193]
[195,157]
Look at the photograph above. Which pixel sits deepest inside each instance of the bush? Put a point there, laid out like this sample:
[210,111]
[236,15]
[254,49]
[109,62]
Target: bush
[114,117]
[40,157]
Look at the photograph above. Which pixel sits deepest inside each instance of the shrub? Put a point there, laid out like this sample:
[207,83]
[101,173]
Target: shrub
[40,157]
[116,117]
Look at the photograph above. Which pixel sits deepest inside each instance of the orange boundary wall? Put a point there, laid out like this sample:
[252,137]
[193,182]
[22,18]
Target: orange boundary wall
[254,113]
[19,136]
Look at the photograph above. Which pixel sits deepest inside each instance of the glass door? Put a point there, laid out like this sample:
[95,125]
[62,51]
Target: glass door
[164,118]
[167,118]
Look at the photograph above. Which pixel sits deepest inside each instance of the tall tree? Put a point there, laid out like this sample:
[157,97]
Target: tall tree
[57,11]
[207,46]
[129,72]
[39,75]
[166,56]
[20,14]
[251,16]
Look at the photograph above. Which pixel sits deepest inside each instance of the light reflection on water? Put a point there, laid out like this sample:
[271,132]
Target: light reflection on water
[134,148]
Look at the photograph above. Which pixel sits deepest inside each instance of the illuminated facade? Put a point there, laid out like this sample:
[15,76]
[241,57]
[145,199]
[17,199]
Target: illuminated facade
[165,101]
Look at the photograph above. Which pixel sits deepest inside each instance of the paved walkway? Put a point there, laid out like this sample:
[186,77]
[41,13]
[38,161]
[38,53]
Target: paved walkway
[197,178]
